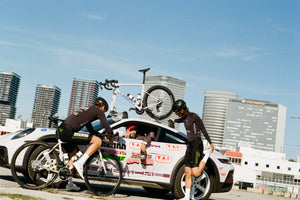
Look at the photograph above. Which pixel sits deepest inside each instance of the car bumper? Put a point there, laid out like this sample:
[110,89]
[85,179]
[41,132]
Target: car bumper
[227,185]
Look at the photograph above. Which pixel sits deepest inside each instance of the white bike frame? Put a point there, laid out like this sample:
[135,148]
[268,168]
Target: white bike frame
[116,91]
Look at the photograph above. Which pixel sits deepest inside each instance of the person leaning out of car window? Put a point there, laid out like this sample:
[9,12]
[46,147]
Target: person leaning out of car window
[131,132]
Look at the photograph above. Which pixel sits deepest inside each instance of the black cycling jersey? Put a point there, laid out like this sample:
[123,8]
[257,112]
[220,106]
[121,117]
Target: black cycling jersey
[194,126]
[84,117]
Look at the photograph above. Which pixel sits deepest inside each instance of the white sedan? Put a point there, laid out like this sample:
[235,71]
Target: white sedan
[161,172]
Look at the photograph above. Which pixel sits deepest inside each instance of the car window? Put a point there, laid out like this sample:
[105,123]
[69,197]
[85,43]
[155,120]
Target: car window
[143,129]
[97,125]
[171,137]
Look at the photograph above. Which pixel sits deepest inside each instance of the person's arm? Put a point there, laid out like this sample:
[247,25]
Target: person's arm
[146,139]
[90,128]
[200,124]
[179,120]
[104,122]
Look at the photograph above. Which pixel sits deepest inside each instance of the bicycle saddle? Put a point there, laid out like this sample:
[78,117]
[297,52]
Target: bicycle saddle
[144,70]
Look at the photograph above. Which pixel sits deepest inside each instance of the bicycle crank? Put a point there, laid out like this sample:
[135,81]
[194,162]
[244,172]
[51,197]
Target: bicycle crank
[64,173]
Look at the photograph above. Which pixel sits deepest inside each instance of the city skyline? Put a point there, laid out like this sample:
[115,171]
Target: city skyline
[246,47]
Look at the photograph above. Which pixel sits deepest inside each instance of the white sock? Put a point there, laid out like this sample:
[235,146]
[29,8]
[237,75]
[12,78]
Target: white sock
[205,158]
[82,159]
[187,193]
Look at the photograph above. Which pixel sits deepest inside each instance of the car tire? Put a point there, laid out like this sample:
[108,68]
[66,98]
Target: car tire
[156,191]
[206,182]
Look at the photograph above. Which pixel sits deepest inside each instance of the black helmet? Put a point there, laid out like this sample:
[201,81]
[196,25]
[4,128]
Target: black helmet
[178,105]
[101,102]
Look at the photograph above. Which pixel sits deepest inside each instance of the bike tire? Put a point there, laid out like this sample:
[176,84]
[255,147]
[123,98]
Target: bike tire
[33,181]
[159,92]
[98,182]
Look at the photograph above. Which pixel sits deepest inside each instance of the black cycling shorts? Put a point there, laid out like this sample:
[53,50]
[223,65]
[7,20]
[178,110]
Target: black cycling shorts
[72,138]
[194,153]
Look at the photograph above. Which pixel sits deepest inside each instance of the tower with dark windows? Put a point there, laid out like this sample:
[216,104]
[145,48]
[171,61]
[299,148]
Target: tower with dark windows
[9,87]
[84,93]
[46,102]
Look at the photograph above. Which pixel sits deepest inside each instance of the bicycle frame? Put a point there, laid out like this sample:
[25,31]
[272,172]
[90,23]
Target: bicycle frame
[116,91]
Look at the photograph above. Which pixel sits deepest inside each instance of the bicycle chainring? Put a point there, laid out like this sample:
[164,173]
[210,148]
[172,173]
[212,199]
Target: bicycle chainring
[64,173]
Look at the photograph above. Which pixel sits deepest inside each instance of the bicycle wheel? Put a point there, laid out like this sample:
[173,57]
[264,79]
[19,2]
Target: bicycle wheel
[100,181]
[158,102]
[40,166]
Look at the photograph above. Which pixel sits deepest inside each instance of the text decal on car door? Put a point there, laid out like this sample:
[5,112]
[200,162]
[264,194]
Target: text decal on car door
[173,147]
[163,159]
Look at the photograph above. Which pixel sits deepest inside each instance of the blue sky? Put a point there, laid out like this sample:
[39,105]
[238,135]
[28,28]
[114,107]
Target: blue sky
[247,47]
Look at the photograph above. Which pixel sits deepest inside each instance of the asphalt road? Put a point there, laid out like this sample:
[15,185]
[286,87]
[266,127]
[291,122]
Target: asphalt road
[8,185]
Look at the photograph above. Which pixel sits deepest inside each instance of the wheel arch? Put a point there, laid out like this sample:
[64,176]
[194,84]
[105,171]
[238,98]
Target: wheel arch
[213,169]
[177,166]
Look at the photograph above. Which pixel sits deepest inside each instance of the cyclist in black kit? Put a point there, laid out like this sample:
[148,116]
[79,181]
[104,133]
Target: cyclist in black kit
[68,132]
[194,161]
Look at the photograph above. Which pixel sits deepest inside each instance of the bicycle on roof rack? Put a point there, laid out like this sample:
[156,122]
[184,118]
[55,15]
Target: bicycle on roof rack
[157,101]
[48,163]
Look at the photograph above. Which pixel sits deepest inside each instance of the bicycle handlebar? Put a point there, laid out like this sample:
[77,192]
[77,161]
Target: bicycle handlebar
[108,84]
[55,119]
[110,135]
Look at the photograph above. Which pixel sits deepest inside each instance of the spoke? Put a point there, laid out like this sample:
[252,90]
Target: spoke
[199,187]
[193,190]
[199,178]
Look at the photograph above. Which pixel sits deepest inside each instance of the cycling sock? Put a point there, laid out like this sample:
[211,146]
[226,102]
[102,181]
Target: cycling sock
[187,193]
[82,159]
[205,158]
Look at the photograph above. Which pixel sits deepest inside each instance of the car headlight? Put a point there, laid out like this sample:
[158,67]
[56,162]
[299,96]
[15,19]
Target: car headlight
[23,133]
[224,160]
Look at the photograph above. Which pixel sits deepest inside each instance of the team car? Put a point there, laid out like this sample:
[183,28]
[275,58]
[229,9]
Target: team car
[163,169]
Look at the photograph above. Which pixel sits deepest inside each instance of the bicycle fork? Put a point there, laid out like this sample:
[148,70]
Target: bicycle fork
[102,169]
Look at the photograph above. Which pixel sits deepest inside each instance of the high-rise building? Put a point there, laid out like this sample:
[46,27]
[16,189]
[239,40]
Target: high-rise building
[214,113]
[176,86]
[84,93]
[9,87]
[46,103]
[259,123]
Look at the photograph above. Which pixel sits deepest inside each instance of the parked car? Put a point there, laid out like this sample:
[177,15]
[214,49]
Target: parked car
[163,169]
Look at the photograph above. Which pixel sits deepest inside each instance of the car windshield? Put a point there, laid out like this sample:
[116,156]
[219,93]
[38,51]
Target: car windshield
[97,125]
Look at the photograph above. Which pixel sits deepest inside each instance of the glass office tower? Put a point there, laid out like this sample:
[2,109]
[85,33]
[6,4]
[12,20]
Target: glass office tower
[84,92]
[214,114]
[46,103]
[9,87]
[258,123]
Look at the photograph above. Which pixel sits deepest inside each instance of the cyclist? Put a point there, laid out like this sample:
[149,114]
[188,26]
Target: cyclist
[194,152]
[68,132]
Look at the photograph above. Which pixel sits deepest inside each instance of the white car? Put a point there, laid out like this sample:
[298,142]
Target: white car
[161,172]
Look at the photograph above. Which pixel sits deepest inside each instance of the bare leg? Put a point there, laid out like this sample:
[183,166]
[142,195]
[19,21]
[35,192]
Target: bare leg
[197,171]
[188,182]
[95,143]
[93,146]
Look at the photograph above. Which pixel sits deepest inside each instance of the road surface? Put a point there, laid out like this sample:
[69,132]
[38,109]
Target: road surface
[125,192]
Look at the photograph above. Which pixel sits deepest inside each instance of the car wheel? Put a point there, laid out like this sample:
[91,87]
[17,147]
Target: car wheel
[157,191]
[201,186]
